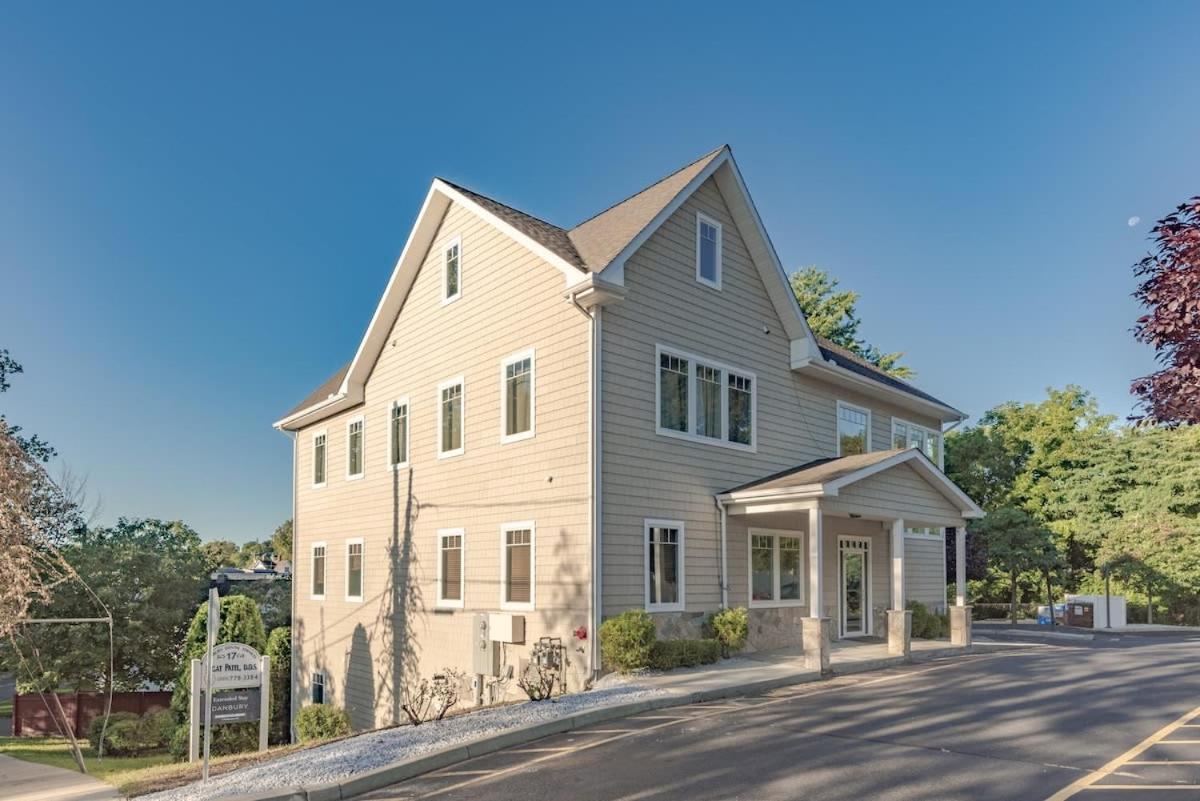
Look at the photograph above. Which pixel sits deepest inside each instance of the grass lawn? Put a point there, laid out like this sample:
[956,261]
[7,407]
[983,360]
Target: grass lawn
[56,752]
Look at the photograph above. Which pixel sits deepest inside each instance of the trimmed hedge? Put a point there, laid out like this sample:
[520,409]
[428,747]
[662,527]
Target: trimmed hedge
[668,654]
[626,640]
[322,721]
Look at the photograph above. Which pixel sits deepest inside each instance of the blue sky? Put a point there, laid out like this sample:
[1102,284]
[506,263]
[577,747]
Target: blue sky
[178,186]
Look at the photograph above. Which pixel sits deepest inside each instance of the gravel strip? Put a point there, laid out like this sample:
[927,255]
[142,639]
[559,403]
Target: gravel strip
[338,761]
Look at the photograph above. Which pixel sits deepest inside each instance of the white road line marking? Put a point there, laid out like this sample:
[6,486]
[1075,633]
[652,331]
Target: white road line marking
[1192,787]
[1178,742]
[1164,762]
[1088,782]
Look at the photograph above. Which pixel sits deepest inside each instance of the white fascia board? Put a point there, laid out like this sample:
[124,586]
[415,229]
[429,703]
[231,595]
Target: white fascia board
[838,374]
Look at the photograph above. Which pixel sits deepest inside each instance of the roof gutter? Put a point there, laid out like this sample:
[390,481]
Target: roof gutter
[835,372]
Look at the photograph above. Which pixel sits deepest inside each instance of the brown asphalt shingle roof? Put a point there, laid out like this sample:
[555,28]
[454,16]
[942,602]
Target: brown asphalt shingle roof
[820,471]
[322,392]
[857,364]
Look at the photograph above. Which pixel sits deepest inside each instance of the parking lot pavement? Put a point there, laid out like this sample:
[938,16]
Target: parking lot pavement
[1028,725]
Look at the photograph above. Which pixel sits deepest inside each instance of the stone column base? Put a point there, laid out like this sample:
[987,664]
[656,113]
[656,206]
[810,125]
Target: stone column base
[815,633]
[899,632]
[960,626]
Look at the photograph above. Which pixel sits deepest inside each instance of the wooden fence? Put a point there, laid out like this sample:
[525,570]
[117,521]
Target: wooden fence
[31,718]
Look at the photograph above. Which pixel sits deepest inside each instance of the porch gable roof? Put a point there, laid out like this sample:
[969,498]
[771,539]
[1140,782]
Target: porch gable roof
[825,477]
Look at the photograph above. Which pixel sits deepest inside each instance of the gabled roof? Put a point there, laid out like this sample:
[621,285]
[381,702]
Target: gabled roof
[825,477]
[322,393]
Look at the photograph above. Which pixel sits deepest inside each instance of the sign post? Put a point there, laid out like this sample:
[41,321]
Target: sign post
[233,685]
[214,626]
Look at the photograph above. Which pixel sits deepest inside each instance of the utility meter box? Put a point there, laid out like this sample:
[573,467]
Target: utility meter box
[485,651]
[506,628]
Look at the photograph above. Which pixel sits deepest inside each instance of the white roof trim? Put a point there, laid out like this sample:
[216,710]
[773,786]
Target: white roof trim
[912,456]
[420,238]
[741,205]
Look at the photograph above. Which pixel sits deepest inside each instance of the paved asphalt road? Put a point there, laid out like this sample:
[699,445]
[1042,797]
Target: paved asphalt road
[1019,726]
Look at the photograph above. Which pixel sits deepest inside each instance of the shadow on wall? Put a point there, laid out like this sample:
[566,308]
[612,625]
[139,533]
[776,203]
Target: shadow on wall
[401,600]
[360,681]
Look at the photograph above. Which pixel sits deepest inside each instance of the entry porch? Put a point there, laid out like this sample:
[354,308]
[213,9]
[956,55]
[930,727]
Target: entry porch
[834,549]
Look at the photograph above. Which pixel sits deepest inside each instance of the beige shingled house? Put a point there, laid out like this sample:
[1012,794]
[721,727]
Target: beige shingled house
[543,427]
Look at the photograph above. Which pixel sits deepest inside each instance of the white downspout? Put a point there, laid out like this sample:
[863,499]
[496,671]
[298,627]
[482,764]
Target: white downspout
[295,701]
[595,508]
[724,557]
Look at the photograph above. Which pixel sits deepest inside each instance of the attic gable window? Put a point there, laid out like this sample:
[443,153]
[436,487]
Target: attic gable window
[452,271]
[708,251]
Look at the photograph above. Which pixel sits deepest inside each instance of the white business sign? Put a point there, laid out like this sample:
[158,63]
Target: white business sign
[235,666]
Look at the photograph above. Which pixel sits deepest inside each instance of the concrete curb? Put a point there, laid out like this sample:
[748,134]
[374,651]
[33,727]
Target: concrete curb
[409,768]
[1039,635]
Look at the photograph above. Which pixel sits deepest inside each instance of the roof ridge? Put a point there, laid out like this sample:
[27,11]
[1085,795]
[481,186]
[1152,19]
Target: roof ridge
[647,188]
[462,188]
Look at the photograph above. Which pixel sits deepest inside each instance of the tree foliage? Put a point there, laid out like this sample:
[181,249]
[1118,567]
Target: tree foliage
[833,315]
[1016,542]
[33,445]
[150,574]
[281,541]
[1170,291]
[220,553]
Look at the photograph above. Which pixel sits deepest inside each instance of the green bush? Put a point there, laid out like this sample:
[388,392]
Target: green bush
[322,721]
[157,729]
[668,654]
[279,648]
[124,738]
[97,724]
[730,627]
[927,625]
[626,640]
[178,746]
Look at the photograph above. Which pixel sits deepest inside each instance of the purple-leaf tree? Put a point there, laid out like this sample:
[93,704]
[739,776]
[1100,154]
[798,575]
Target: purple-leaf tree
[1170,291]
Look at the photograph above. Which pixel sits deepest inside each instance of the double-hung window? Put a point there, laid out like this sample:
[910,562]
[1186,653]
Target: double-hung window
[516,397]
[452,271]
[398,434]
[708,251]
[317,588]
[354,448]
[354,570]
[450,568]
[776,568]
[318,452]
[664,565]
[853,429]
[318,688]
[702,400]
[450,417]
[516,566]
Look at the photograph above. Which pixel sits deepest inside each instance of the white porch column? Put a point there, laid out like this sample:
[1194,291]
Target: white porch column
[816,539]
[897,564]
[960,565]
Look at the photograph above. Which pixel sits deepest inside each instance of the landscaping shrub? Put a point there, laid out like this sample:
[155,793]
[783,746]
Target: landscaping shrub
[730,627]
[626,640]
[322,721]
[97,724]
[178,746]
[927,625]
[123,738]
[668,654]
[157,729]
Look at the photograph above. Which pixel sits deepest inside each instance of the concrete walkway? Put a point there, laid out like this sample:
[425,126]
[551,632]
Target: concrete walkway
[763,670]
[29,781]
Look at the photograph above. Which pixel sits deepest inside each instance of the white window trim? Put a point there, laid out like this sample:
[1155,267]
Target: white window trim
[649,523]
[940,532]
[461,449]
[528,353]
[868,608]
[322,433]
[690,435]
[362,568]
[841,404]
[775,534]
[312,558]
[447,299]
[526,525]
[401,401]
[324,682]
[701,217]
[450,603]
[363,456]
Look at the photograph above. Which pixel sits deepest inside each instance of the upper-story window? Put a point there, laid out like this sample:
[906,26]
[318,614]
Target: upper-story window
[517,396]
[911,435]
[354,448]
[853,429]
[702,400]
[708,251]
[398,434]
[452,271]
[354,570]
[450,417]
[318,459]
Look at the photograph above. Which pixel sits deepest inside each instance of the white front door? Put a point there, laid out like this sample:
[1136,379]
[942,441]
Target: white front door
[854,581]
